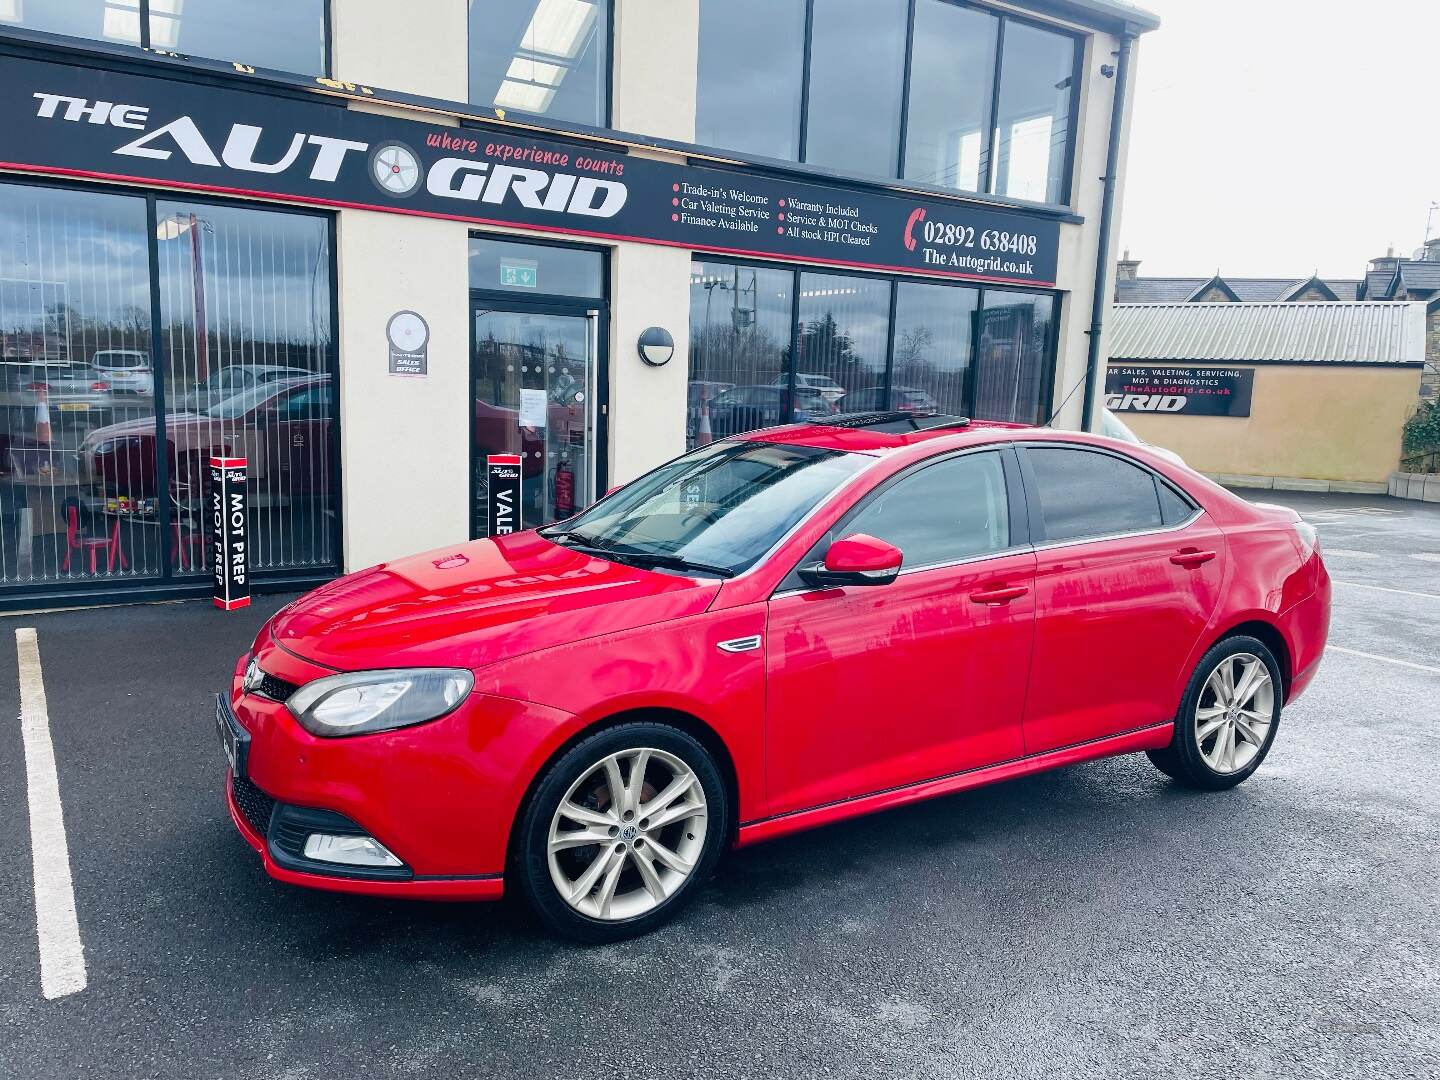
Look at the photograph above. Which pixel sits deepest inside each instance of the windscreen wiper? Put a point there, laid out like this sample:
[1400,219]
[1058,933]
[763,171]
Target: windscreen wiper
[668,562]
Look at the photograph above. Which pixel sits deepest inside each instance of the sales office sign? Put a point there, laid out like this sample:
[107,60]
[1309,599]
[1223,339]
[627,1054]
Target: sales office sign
[67,120]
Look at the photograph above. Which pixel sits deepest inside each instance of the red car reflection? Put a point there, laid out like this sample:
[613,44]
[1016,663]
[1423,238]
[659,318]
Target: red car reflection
[774,632]
[282,429]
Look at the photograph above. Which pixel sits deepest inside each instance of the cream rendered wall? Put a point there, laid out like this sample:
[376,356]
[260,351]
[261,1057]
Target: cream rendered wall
[1311,421]
[404,441]
[417,48]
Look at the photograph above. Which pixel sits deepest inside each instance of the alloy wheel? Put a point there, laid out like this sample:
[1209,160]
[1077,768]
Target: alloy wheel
[628,834]
[1234,713]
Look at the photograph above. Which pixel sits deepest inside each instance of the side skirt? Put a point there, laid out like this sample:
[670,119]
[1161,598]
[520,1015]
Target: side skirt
[1151,738]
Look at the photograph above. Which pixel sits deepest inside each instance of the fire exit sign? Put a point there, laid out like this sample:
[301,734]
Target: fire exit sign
[518,274]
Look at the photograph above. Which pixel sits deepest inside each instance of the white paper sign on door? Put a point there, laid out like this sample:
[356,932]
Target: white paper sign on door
[532,408]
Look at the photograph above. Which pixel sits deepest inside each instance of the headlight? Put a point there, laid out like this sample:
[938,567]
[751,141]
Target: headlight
[364,701]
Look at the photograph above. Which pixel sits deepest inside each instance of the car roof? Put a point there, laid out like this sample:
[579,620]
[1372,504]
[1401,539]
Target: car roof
[880,432]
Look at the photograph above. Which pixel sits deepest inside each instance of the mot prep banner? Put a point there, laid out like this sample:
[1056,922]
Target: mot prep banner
[229,538]
[76,121]
[1183,391]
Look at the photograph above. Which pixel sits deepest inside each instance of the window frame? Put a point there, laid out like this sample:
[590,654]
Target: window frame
[896,176]
[1015,502]
[1035,508]
[607,78]
[168,583]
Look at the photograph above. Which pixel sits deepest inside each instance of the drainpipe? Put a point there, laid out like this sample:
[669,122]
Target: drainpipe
[1107,221]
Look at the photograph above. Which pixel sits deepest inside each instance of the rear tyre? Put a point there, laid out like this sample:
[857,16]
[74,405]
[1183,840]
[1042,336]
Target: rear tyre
[620,831]
[1228,717]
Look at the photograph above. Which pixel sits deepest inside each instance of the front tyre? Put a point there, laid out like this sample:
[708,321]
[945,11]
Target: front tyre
[1228,717]
[620,830]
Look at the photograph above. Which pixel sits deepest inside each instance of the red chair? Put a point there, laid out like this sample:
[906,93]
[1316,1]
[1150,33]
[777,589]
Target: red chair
[75,541]
[189,547]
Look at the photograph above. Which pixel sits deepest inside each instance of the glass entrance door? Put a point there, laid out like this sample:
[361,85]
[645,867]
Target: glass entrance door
[534,376]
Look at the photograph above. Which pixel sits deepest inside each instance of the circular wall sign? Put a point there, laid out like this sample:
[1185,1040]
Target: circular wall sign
[395,169]
[407,331]
[656,346]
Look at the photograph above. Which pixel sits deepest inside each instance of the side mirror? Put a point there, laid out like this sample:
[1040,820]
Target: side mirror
[857,559]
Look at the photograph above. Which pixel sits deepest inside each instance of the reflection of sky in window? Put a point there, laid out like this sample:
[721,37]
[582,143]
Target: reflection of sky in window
[266,273]
[78,249]
[748,95]
[857,62]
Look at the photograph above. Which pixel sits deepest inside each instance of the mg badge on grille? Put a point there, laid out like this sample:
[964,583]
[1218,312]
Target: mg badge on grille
[253,678]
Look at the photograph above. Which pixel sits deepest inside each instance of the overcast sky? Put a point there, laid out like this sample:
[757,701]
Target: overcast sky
[1272,138]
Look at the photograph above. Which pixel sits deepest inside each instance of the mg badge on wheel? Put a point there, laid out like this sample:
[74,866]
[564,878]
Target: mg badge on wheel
[395,169]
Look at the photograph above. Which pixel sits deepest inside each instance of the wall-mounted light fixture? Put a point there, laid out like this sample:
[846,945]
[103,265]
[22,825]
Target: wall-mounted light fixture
[656,346]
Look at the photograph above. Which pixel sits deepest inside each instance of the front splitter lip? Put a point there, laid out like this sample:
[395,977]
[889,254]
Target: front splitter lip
[486,887]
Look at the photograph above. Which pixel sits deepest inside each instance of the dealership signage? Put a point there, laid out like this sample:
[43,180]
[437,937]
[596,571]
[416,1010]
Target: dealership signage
[71,120]
[502,474]
[1185,391]
[229,538]
[408,336]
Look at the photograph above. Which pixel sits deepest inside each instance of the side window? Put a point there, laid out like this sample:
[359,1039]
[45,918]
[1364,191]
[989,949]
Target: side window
[951,510]
[1082,494]
[1173,509]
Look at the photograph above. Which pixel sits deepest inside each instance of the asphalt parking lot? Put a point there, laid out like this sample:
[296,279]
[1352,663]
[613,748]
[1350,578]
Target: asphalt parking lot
[1095,921]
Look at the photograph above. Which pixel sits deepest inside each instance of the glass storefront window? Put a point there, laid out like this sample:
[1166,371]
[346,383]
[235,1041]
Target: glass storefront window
[844,324]
[931,348]
[75,372]
[1032,129]
[544,57]
[952,75]
[857,68]
[288,35]
[245,318]
[527,269]
[740,319]
[950,349]
[1013,358]
[748,94]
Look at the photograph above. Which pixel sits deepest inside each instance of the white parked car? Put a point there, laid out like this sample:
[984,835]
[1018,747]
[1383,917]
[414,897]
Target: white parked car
[825,386]
[127,371]
[1112,427]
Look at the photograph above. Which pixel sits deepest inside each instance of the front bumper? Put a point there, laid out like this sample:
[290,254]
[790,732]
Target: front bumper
[441,796]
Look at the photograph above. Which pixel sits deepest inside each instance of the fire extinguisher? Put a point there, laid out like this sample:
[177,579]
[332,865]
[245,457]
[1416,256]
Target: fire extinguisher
[562,487]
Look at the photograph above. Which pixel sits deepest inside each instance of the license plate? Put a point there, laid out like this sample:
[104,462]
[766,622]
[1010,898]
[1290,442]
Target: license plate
[234,740]
[72,406]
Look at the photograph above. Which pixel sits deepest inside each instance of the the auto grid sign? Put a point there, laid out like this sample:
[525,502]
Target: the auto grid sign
[74,121]
[1183,391]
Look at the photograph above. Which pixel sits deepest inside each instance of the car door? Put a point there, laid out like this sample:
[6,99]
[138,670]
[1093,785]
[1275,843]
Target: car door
[874,687]
[1128,573]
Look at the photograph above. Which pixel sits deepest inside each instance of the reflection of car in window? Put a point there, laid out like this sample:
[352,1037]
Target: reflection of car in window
[905,399]
[744,408]
[126,370]
[229,381]
[76,393]
[824,385]
[281,428]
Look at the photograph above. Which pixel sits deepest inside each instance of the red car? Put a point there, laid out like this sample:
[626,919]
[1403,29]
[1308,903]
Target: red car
[774,632]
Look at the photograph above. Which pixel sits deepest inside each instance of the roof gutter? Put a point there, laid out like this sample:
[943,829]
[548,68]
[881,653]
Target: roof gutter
[1101,298]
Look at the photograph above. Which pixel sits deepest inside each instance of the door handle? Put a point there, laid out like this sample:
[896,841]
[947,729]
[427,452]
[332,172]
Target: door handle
[1191,559]
[999,596]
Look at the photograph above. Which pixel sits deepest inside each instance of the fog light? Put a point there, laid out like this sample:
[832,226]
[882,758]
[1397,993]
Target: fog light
[350,850]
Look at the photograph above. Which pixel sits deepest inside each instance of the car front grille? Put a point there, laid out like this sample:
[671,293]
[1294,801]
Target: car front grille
[254,804]
[275,689]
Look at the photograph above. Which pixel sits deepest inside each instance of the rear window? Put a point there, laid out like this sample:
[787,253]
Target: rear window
[119,360]
[1083,493]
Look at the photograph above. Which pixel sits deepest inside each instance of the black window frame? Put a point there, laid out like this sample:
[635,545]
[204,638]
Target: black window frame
[327,28]
[896,177]
[168,584]
[1016,506]
[1035,508]
[982,290]
[607,122]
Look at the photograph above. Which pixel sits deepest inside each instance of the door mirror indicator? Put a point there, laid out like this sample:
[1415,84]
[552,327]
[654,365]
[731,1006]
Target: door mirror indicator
[857,559]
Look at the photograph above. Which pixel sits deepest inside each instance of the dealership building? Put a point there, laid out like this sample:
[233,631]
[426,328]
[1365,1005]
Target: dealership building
[436,270]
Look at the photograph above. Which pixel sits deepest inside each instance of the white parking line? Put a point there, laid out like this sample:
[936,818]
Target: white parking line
[62,956]
[1383,659]
[1382,588]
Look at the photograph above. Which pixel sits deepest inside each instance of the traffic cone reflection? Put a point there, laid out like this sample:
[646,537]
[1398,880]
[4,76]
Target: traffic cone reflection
[703,434]
[42,416]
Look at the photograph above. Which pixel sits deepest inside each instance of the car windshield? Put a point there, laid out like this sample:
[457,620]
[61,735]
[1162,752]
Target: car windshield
[1115,428]
[717,510]
[240,404]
